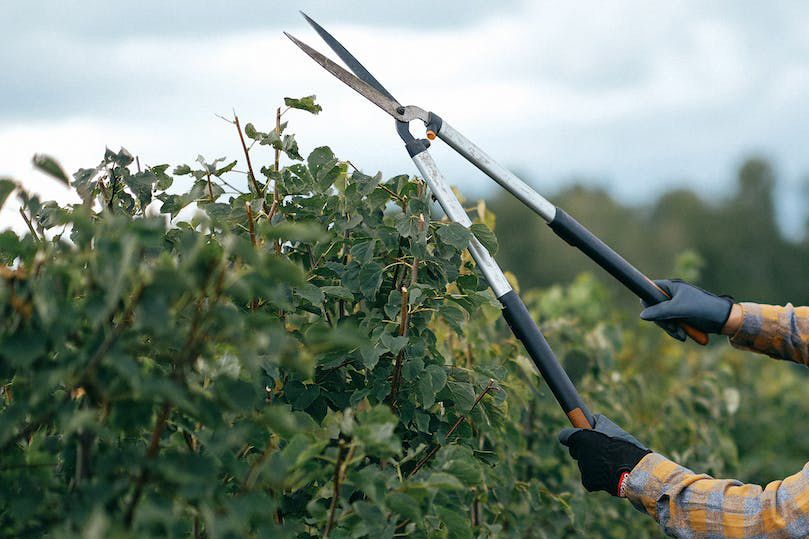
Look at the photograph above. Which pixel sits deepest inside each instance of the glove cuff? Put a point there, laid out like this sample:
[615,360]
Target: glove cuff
[622,481]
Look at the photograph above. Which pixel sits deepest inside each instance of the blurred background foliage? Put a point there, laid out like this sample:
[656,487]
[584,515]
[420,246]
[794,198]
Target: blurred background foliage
[730,246]
[316,355]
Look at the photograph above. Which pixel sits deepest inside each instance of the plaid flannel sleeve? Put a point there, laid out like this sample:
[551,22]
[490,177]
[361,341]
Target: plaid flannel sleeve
[689,505]
[779,332]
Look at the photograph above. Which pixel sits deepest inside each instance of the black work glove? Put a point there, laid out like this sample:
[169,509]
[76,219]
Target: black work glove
[605,454]
[690,304]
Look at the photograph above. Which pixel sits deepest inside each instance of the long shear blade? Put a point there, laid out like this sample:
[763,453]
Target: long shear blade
[363,88]
[348,58]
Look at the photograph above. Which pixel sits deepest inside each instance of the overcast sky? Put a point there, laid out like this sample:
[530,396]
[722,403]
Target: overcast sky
[636,96]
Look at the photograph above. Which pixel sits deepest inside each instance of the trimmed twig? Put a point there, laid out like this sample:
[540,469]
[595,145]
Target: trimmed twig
[251,177]
[278,133]
[210,186]
[414,268]
[250,223]
[137,163]
[489,387]
[342,303]
[275,200]
[83,441]
[336,496]
[397,367]
[30,226]
[151,453]
[398,266]
[252,229]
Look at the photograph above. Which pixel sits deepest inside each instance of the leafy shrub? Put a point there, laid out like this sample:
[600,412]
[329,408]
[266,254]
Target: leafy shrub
[315,357]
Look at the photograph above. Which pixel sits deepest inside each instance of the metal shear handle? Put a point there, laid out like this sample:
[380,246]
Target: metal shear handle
[565,226]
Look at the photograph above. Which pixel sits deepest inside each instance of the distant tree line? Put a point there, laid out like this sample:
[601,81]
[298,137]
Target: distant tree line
[729,246]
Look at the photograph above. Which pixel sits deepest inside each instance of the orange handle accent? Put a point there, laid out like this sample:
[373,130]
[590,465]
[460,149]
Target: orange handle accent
[698,336]
[578,420]
[431,135]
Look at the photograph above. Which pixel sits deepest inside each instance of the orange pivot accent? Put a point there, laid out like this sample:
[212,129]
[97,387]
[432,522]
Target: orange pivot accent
[431,135]
[577,419]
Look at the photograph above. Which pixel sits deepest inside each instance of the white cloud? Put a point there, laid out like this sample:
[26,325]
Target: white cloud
[635,94]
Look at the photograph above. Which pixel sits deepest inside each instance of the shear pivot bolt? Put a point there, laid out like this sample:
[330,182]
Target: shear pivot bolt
[400,110]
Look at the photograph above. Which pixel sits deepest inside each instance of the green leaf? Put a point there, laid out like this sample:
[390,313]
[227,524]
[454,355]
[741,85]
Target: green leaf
[370,277]
[323,167]
[485,236]
[376,432]
[403,504]
[251,132]
[304,103]
[455,234]
[49,166]
[466,470]
[7,186]
[363,249]
[393,344]
[463,394]
[141,184]
[292,231]
[227,168]
[123,158]
[310,293]
[458,525]
[290,147]
[454,316]
[164,181]
[430,383]
[444,481]
[339,292]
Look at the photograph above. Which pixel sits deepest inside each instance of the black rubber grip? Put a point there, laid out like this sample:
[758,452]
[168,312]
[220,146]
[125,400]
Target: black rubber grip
[526,330]
[578,236]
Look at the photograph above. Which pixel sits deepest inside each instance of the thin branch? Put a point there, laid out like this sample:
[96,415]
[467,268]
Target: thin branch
[30,226]
[238,191]
[398,266]
[251,177]
[336,496]
[151,453]
[253,472]
[390,192]
[489,387]
[210,186]
[278,134]
[250,223]
[342,307]
[397,368]
[275,200]
[414,268]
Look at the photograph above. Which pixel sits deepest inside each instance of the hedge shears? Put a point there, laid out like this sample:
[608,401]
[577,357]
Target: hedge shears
[514,310]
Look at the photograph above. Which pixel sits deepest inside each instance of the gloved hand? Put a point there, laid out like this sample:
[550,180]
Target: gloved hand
[697,307]
[605,454]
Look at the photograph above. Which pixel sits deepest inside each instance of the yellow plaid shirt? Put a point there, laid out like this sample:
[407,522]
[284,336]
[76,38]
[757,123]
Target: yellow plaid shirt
[690,505]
